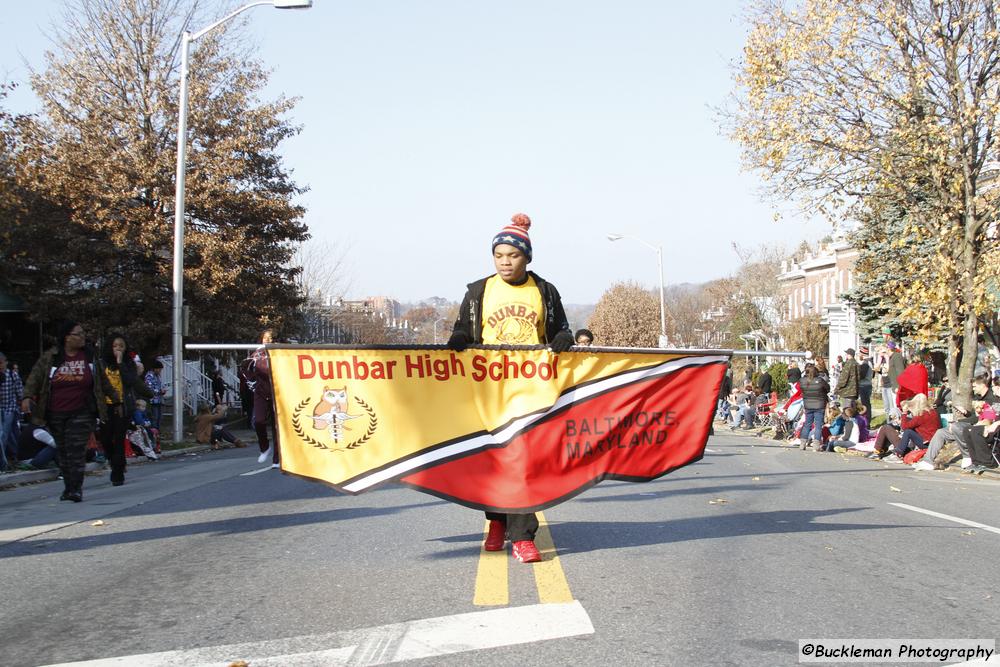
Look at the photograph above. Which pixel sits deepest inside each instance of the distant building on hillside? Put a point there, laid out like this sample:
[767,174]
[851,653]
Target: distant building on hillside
[814,285]
[386,306]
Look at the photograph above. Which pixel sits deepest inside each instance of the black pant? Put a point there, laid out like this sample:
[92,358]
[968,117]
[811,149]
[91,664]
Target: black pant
[519,526]
[980,447]
[113,440]
[866,399]
[71,431]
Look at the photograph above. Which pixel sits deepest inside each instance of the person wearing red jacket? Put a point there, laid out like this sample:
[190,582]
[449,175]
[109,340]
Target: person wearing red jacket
[912,381]
[919,423]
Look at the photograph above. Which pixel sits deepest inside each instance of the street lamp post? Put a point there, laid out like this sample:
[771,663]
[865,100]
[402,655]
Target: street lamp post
[659,262]
[440,319]
[178,277]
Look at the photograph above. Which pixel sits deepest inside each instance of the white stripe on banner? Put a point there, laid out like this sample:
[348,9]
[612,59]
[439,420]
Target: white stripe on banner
[504,435]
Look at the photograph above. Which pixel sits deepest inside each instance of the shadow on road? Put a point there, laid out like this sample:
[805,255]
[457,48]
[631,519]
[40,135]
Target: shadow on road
[584,536]
[234,526]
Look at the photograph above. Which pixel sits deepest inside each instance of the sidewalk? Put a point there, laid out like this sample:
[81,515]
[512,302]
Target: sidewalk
[189,446]
[722,428]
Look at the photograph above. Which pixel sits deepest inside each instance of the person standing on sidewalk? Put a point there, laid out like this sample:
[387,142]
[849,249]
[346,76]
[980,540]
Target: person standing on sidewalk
[66,392]
[543,322]
[121,372]
[865,375]
[155,384]
[263,402]
[895,365]
[815,396]
[11,394]
[848,380]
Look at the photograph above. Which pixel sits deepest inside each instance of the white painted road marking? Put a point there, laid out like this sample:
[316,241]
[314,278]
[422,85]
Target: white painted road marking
[948,517]
[383,645]
[255,472]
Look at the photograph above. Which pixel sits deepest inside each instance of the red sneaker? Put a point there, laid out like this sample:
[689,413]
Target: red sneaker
[526,552]
[496,536]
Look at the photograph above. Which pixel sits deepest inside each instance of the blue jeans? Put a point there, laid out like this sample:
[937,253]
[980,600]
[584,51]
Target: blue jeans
[8,436]
[908,439]
[746,413]
[44,456]
[813,427]
[155,414]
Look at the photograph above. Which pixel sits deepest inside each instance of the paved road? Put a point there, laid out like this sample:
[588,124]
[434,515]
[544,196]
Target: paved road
[212,558]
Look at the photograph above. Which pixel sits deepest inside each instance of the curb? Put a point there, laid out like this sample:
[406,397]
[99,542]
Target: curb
[12,479]
[758,434]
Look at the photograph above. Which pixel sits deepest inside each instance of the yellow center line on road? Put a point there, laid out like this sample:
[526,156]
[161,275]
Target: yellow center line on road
[492,587]
[491,577]
[550,580]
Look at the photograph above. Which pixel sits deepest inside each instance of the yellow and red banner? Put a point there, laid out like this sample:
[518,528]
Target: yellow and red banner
[517,429]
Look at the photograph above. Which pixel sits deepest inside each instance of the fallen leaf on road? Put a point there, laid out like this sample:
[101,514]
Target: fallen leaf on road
[969,533]
[239,663]
[97,523]
[718,501]
[895,490]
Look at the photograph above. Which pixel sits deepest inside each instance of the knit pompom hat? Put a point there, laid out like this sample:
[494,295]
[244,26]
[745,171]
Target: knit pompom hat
[515,234]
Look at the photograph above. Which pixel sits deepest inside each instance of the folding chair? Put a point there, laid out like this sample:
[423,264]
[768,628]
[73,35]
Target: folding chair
[765,407]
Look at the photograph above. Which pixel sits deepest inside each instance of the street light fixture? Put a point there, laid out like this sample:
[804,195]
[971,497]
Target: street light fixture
[659,262]
[440,319]
[178,277]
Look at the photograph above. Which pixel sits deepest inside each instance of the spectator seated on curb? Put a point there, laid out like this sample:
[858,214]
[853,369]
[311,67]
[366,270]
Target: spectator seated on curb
[961,424]
[919,423]
[745,404]
[37,443]
[207,432]
[849,436]
[981,437]
[833,424]
[861,418]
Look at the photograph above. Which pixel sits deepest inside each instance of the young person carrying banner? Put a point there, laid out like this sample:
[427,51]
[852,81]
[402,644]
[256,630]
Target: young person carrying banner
[513,307]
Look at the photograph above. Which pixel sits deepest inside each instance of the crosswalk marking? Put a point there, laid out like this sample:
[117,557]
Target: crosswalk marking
[255,472]
[415,640]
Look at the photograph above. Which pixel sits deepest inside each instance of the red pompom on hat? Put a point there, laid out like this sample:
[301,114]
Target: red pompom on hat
[515,234]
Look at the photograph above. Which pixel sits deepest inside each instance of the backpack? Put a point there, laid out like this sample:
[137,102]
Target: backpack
[913,456]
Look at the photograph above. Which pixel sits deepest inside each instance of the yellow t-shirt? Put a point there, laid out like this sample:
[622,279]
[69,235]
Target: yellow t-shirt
[513,314]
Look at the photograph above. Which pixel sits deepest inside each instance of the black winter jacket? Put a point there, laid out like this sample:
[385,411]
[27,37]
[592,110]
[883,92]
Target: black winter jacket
[470,314]
[814,392]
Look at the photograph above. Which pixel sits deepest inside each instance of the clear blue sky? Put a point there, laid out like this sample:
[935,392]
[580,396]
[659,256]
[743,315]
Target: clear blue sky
[427,124]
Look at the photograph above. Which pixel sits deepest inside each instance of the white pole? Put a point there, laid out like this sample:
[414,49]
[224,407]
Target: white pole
[663,307]
[178,280]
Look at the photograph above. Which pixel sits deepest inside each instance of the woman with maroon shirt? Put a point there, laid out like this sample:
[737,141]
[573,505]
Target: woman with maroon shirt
[919,423]
[66,393]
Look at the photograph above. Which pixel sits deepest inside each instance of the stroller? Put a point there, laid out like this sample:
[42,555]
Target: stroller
[142,440]
[784,420]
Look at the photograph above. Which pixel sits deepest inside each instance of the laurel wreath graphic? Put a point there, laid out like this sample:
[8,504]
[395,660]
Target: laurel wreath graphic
[299,431]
